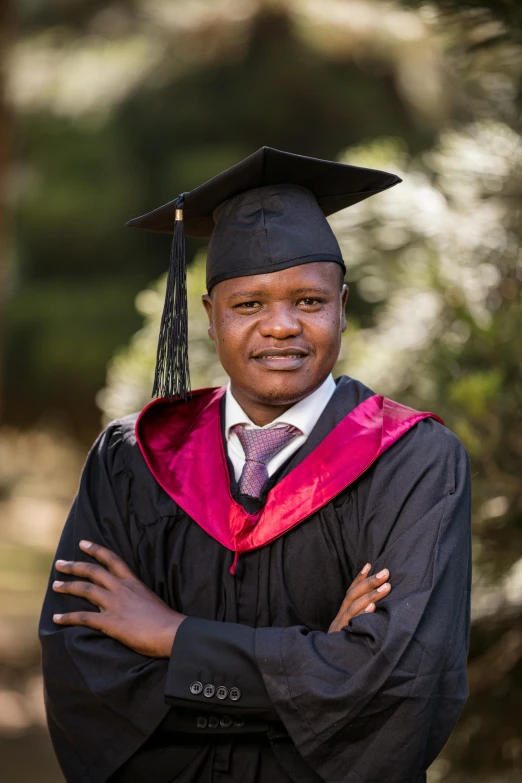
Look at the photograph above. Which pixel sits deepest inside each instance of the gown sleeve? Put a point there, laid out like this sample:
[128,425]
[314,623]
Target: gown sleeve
[376,702]
[222,655]
[103,700]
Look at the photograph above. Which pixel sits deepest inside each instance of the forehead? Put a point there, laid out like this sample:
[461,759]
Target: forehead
[314,276]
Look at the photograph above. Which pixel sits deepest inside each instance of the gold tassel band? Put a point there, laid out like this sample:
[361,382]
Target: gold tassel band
[179,214]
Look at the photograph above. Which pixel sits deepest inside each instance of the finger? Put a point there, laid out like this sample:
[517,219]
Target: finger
[87,619]
[110,559]
[96,595]
[95,573]
[367,585]
[366,603]
[360,576]
[363,587]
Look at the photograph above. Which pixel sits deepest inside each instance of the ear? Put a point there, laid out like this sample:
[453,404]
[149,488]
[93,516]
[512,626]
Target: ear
[209,307]
[344,298]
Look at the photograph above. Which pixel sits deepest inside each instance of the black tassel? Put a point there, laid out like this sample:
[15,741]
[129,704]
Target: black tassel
[171,378]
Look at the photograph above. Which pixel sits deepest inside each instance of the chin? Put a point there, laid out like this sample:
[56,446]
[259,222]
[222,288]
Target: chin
[281,392]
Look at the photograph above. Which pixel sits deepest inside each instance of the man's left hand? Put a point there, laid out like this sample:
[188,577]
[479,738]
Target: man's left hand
[129,611]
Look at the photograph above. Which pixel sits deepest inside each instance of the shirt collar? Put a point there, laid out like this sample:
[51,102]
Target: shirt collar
[303,415]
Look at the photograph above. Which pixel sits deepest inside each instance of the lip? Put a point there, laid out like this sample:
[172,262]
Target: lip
[290,358]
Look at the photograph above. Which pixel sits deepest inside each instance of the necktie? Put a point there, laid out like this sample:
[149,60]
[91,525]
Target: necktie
[259,447]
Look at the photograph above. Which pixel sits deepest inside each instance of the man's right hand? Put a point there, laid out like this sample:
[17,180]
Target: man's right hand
[361,596]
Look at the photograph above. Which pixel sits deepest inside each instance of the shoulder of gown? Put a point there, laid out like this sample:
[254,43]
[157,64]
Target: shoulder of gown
[116,460]
[430,447]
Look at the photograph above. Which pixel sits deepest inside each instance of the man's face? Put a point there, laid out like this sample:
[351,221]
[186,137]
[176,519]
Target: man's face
[278,335]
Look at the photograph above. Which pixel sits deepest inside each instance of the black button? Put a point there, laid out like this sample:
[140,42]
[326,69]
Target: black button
[222,692]
[201,722]
[235,694]
[196,688]
[225,722]
[238,722]
[213,722]
[209,691]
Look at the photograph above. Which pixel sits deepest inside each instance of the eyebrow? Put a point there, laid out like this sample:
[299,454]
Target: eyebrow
[246,294]
[294,292]
[312,290]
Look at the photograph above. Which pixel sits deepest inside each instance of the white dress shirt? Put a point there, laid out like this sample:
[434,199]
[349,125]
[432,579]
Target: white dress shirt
[303,415]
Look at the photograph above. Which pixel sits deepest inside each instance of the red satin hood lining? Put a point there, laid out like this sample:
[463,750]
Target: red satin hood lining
[181,440]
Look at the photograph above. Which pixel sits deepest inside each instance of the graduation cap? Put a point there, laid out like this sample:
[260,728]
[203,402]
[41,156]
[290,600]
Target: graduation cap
[264,214]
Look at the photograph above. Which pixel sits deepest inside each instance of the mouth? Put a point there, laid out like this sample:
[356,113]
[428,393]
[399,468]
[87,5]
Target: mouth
[290,358]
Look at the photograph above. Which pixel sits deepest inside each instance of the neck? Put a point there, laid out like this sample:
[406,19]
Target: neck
[263,412]
[262,415]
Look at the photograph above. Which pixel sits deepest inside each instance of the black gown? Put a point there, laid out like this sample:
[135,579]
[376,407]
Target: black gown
[373,703]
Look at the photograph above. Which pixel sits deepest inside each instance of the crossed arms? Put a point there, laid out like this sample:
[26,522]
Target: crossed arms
[134,615]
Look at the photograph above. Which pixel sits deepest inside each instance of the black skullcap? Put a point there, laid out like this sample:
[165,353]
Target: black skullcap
[264,214]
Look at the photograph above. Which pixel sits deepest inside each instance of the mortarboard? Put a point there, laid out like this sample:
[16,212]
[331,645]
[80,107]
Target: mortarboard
[264,214]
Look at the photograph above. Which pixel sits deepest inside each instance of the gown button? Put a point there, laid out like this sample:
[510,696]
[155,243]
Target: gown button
[238,722]
[196,688]
[209,690]
[225,722]
[235,694]
[213,722]
[201,722]
[222,692]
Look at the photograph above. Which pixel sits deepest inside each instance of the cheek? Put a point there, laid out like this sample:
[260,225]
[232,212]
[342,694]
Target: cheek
[324,330]
[230,332]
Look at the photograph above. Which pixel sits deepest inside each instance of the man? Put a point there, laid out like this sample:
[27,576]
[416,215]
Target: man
[193,631]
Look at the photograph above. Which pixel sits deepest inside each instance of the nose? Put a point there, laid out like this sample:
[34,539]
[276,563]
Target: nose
[281,322]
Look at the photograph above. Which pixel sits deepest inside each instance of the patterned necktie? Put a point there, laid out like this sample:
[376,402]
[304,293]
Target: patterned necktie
[259,447]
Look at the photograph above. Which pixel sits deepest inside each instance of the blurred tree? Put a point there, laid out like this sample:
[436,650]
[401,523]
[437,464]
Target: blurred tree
[492,20]
[131,369]
[439,261]
[483,52]
[121,106]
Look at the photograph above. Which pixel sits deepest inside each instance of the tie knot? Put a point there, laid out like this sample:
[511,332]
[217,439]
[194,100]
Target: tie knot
[261,445]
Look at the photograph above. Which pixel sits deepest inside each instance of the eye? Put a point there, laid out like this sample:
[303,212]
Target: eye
[247,305]
[310,302]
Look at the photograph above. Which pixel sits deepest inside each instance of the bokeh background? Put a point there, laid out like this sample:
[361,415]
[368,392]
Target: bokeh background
[108,109]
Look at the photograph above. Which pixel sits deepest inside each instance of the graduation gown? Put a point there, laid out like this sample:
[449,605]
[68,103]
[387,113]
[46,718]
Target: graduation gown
[374,702]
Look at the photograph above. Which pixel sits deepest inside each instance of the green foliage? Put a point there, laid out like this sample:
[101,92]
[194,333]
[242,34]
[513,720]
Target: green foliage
[57,346]
[131,370]
[86,168]
[475,392]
